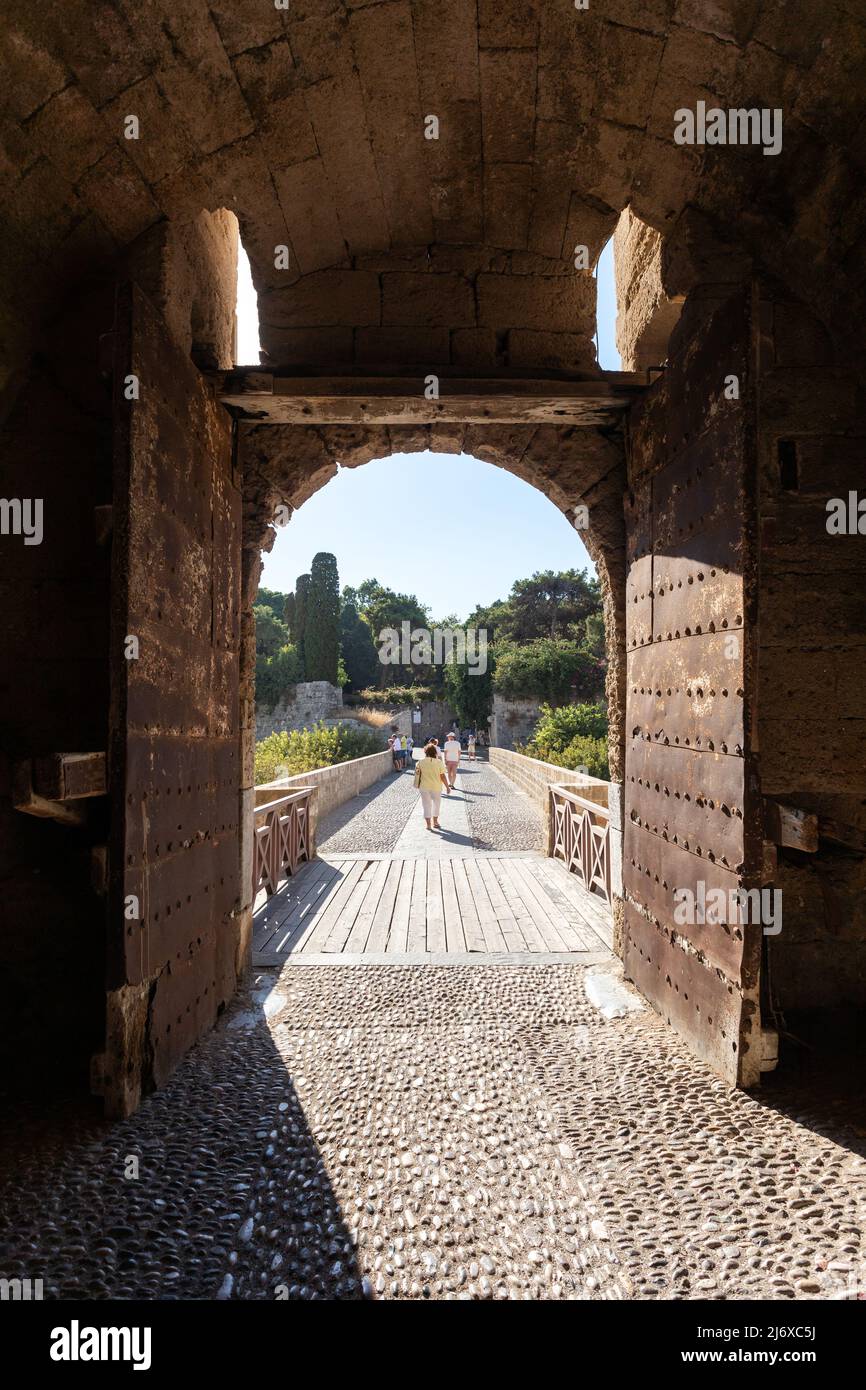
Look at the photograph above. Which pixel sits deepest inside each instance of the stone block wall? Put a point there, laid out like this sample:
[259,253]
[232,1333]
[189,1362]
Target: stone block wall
[334,785]
[514,720]
[307,703]
[450,307]
[812,626]
[645,315]
[436,719]
[534,777]
[189,272]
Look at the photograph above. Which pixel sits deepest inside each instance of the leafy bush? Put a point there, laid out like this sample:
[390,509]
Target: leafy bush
[392,695]
[556,727]
[590,753]
[289,753]
[549,668]
[275,675]
[572,736]
[271,632]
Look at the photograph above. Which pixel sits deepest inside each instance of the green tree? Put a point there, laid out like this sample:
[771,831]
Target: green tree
[289,615]
[493,618]
[272,598]
[550,604]
[595,636]
[383,608]
[322,620]
[357,646]
[469,691]
[553,669]
[299,620]
[275,675]
[271,633]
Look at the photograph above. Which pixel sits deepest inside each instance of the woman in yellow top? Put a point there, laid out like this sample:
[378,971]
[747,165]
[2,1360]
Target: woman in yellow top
[430,778]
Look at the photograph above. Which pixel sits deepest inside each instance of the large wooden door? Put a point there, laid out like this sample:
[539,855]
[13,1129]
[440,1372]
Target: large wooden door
[174,759]
[691,793]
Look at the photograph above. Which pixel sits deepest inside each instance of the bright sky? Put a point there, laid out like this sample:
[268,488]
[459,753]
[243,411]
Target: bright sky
[492,528]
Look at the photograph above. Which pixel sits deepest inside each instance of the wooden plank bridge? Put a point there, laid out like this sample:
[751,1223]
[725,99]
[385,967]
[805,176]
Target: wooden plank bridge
[384,909]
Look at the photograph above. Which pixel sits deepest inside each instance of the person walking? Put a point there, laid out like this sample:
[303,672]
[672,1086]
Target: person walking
[430,778]
[452,756]
[470,745]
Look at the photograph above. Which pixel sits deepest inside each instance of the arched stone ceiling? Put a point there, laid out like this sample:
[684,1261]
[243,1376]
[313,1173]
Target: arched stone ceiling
[309,124]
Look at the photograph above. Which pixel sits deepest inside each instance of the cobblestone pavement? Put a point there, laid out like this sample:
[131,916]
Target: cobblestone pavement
[372,822]
[454,1132]
[501,816]
[502,819]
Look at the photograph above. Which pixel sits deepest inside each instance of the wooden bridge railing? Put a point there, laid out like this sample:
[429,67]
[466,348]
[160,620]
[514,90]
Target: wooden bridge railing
[282,838]
[579,836]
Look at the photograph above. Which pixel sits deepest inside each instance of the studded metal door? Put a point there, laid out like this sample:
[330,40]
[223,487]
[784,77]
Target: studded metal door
[691,802]
[174,742]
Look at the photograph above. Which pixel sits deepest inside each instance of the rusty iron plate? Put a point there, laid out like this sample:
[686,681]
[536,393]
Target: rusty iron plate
[694,800]
[688,694]
[694,998]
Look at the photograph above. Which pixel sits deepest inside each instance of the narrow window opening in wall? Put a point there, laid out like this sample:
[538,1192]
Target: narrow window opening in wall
[247,345]
[605,313]
[789,471]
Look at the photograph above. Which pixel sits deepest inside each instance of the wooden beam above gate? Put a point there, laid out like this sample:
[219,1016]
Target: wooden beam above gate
[276,397]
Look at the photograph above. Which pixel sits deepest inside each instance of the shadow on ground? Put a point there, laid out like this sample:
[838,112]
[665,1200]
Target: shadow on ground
[214,1188]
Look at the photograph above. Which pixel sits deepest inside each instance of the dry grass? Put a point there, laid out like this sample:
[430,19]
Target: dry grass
[373,718]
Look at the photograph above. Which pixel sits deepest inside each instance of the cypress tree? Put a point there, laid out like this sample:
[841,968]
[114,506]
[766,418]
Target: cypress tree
[322,620]
[299,621]
[289,616]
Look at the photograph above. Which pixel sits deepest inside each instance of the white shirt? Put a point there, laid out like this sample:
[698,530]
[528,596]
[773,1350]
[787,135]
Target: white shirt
[452,750]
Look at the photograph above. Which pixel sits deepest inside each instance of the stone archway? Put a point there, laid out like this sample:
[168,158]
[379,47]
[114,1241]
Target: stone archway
[453,253]
[287,464]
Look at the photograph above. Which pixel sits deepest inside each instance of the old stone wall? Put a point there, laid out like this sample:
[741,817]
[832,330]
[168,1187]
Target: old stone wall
[514,720]
[307,703]
[437,717]
[646,316]
[454,307]
[406,240]
[334,785]
[454,251]
[534,777]
[811,691]
[188,271]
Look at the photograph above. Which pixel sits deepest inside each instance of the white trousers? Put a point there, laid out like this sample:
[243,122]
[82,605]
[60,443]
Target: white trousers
[430,803]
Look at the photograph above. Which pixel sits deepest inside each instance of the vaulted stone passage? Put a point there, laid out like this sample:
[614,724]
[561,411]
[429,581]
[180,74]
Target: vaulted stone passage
[413,183]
